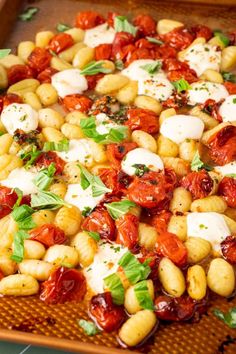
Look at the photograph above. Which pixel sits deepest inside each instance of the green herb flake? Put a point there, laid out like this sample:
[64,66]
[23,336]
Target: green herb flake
[47,200]
[18,245]
[89,327]
[4,53]
[121,24]
[45,177]
[28,14]
[30,156]
[231,175]
[223,38]
[63,145]
[234,100]
[62,27]
[181,85]
[229,318]
[113,284]
[19,195]
[197,164]
[133,269]
[118,209]
[95,67]
[94,235]
[140,169]
[152,68]
[227,76]
[119,64]
[143,296]
[154,40]
[86,211]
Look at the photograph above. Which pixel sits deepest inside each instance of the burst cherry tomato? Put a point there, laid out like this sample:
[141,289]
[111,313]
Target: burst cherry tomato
[179,38]
[88,19]
[149,190]
[222,145]
[120,42]
[107,315]
[116,152]
[101,222]
[46,158]
[211,107]
[39,59]
[146,25]
[60,42]
[18,72]
[64,285]
[127,231]
[48,235]
[45,75]
[161,220]
[8,199]
[231,87]
[92,80]
[199,184]
[202,31]
[115,180]
[228,247]
[142,119]
[103,52]
[9,98]
[111,18]
[227,189]
[169,245]
[1,275]
[77,102]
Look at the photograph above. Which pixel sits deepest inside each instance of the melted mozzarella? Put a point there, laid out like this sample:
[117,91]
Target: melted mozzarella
[104,124]
[201,57]
[228,169]
[79,150]
[68,82]
[99,35]
[141,156]
[22,179]
[180,127]
[19,116]
[203,90]
[80,197]
[210,226]
[228,109]
[105,263]
[153,85]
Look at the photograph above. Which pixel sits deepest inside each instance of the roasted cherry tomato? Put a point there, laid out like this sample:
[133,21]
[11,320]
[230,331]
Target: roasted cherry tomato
[46,75]
[46,158]
[9,98]
[142,119]
[64,285]
[19,72]
[169,245]
[231,87]
[227,189]
[211,107]
[115,180]
[149,190]
[77,102]
[120,42]
[199,184]
[103,51]
[60,42]
[107,315]
[101,222]
[202,31]
[228,248]
[1,275]
[137,54]
[116,152]
[8,199]
[179,38]
[92,80]
[88,19]
[146,25]
[222,145]
[111,18]
[161,220]
[39,59]
[48,235]
[127,231]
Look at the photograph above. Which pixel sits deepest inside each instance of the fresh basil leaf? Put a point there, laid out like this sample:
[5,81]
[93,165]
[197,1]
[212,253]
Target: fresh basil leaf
[117,209]
[143,296]
[223,38]
[4,52]
[133,269]
[140,169]
[62,27]
[87,179]
[227,76]
[119,64]
[28,14]
[197,164]
[19,199]
[86,211]
[63,145]
[30,156]
[121,24]
[114,285]
[47,200]
[154,40]
[181,85]
[22,215]
[45,177]
[152,68]
[232,175]
[18,246]
[228,318]
[94,235]
[95,67]
[89,327]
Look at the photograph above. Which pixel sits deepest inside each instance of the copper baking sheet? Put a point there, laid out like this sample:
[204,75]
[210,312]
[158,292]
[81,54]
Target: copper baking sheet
[28,320]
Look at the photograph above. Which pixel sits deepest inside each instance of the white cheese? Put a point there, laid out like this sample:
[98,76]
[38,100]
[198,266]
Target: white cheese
[22,179]
[99,35]
[105,263]
[19,116]
[180,127]
[201,57]
[68,82]
[228,169]
[141,156]
[104,124]
[80,197]
[209,226]
[204,90]
[79,150]
[228,109]
[153,85]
